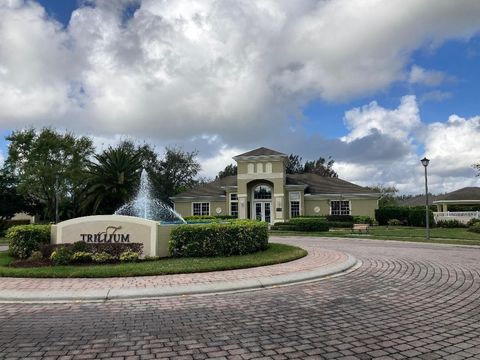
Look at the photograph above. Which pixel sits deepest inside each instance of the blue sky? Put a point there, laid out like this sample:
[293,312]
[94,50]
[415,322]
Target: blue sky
[374,92]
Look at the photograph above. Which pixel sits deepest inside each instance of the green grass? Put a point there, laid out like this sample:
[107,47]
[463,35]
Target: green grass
[3,241]
[458,236]
[275,254]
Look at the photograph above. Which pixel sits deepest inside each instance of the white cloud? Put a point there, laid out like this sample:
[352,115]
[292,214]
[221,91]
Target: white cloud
[419,75]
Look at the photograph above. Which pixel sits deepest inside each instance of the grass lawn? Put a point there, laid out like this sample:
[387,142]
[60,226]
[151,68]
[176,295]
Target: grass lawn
[403,233]
[275,254]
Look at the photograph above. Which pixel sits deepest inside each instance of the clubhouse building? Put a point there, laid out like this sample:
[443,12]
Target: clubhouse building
[263,190]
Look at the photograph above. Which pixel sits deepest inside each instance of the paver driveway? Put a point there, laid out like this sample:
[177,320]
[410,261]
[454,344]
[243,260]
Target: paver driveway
[405,301]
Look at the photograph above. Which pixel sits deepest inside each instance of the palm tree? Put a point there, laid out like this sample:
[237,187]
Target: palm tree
[113,179]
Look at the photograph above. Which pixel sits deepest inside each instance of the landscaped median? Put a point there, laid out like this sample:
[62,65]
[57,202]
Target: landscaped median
[196,248]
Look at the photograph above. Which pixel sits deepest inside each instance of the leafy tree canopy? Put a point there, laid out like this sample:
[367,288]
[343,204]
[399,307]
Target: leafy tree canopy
[228,171]
[321,166]
[388,195]
[48,164]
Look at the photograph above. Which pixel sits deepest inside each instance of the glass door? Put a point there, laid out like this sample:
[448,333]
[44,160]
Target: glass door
[263,211]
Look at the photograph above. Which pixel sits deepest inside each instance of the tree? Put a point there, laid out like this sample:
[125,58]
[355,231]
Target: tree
[321,167]
[175,173]
[388,197]
[11,202]
[50,166]
[294,164]
[477,168]
[228,171]
[114,175]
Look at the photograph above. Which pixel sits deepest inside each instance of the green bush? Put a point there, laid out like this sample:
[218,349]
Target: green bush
[81,257]
[473,221]
[103,258]
[309,224]
[36,255]
[363,220]
[129,256]
[344,218]
[450,224]
[411,216]
[62,255]
[25,239]
[475,227]
[394,222]
[339,224]
[219,239]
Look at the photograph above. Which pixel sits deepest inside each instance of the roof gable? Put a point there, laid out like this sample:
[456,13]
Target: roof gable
[262,151]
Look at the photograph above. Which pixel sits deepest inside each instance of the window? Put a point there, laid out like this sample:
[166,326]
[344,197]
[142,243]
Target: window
[259,168]
[294,204]
[339,207]
[251,168]
[234,205]
[201,209]
[268,168]
[294,208]
[262,192]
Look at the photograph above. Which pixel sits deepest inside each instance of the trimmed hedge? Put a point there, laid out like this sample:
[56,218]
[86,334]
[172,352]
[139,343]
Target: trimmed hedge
[209,217]
[411,216]
[450,224]
[25,239]
[304,224]
[113,249]
[475,227]
[344,218]
[219,239]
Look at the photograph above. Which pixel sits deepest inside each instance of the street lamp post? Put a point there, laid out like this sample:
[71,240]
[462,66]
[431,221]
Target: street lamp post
[425,162]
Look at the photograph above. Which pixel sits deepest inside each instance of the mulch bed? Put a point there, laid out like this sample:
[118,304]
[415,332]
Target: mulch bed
[31,263]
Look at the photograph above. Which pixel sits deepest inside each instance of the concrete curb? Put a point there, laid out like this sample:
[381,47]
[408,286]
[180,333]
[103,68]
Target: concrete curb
[180,290]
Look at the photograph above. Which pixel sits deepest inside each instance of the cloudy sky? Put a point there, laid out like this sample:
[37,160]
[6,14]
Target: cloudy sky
[376,84]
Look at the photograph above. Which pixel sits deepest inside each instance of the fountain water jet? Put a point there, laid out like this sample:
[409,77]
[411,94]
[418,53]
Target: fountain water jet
[145,206]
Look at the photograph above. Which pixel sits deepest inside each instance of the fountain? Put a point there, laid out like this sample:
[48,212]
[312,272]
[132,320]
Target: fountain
[145,206]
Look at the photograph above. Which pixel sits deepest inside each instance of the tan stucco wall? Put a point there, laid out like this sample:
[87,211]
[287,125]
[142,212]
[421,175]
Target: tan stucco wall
[186,208]
[359,207]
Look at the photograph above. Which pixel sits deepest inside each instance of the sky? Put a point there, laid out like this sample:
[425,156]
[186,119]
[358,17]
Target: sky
[375,84]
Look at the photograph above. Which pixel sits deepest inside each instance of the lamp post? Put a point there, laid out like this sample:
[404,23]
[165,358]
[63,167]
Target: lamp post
[425,162]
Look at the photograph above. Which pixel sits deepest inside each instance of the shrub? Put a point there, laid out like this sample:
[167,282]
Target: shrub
[309,224]
[345,218]
[450,224]
[129,256]
[219,239]
[340,224]
[394,222]
[24,239]
[80,246]
[363,220]
[103,258]
[62,255]
[412,216]
[36,255]
[114,249]
[475,227]
[81,257]
[473,221]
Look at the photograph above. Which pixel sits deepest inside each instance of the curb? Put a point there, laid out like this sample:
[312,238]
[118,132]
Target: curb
[180,290]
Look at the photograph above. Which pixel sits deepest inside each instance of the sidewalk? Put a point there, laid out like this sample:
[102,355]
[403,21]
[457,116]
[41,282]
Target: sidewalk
[319,263]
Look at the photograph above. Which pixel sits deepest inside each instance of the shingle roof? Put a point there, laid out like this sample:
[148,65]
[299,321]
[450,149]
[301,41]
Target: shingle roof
[261,151]
[418,200]
[466,193]
[324,185]
[213,188]
[316,185]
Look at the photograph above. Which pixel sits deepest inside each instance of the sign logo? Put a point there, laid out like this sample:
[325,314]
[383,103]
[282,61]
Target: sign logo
[110,235]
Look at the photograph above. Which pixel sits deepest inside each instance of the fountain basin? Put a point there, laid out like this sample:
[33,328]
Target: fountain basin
[115,229]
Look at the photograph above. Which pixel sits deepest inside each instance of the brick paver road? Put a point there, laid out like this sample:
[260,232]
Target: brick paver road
[405,301]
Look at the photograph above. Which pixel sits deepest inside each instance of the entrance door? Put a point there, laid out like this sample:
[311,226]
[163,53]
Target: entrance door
[263,211]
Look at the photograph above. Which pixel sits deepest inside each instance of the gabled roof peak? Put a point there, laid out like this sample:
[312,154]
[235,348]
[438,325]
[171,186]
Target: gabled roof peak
[261,151]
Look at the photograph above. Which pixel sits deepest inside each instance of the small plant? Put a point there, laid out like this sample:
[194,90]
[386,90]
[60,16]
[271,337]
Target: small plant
[472,222]
[129,256]
[82,257]
[475,227]
[36,255]
[61,256]
[80,246]
[103,258]
[394,222]
[450,224]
